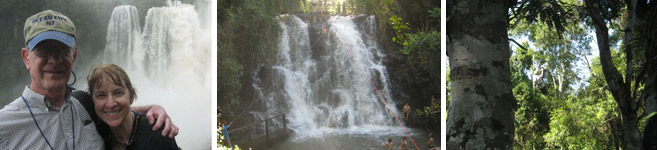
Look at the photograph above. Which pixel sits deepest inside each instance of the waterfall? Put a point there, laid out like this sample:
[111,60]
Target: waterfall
[323,90]
[156,44]
[169,66]
[123,37]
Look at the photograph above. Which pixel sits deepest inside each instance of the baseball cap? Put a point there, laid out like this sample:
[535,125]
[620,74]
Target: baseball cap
[48,25]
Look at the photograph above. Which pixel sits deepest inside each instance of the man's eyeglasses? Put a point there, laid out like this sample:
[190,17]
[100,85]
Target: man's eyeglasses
[54,51]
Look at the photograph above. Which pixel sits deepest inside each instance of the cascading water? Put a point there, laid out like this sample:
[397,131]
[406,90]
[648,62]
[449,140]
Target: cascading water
[156,41]
[123,37]
[171,66]
[323,90]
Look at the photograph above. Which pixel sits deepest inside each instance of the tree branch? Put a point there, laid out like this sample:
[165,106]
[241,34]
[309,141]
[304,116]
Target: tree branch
[639,79]
[612,75]
[517,44]
[631,4]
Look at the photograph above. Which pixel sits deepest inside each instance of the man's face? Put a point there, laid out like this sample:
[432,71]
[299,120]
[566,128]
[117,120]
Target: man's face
[50,65]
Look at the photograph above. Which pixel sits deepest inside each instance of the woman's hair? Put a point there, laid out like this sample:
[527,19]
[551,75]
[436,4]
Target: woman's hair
[113,73]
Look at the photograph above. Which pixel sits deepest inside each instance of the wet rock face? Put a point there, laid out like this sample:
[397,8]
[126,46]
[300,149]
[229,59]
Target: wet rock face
[411,85]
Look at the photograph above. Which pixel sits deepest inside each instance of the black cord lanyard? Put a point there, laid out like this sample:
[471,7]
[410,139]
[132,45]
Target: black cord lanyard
[41,131]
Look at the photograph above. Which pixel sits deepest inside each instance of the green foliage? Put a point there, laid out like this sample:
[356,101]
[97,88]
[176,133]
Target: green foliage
[448,88]
[560,115]
[584,123]
[423,56]
[434,13]
[557,52]
[247,37]
[241,22]
[228,74]
[401,30]
[305,7]
[423,48]
[434,16]
[575,116]
[261,36]
[586,118]
[588,121]
[289,6]
[426,111]
[532,114]
[377,7]
[555,14]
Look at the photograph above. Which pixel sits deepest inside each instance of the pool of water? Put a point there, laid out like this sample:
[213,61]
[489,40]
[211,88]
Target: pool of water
[357,141]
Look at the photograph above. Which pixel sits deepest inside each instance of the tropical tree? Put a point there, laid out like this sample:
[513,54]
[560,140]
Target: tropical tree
[600,12]
[559,29]
[481,111]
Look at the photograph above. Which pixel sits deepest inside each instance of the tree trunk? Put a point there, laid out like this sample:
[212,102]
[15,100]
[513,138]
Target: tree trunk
[481,111]
[619,90]
[651,60]
[650,131]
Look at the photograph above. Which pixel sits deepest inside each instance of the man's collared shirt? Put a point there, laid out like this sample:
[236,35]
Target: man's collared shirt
[64,127]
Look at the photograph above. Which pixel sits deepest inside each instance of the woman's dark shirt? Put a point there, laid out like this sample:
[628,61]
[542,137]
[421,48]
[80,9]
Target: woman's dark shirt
[143,137]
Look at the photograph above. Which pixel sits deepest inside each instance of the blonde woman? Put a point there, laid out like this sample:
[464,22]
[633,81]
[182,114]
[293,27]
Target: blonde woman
[112,94]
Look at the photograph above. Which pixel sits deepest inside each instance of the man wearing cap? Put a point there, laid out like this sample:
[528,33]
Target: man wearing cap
[46,115]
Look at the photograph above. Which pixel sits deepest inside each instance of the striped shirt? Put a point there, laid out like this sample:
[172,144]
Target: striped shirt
[65,127]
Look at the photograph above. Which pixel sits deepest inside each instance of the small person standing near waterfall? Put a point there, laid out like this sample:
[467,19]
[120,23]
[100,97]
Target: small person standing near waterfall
[434,108]
[46,116]
[406,110]
[430,143]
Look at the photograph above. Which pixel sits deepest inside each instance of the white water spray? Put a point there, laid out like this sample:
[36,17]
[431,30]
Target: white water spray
[169,66]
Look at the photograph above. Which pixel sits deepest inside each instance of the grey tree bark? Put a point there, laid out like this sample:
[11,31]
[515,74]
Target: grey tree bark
[481,110]
[619,89]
